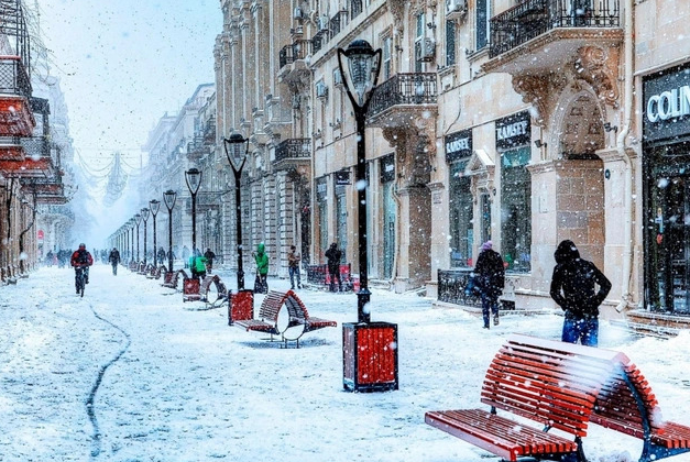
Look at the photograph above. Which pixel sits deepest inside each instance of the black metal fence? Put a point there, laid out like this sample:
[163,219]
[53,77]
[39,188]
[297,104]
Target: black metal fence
[13,77]
[415,88]
[531,18]
[295,148]
[451,287]
[294,52]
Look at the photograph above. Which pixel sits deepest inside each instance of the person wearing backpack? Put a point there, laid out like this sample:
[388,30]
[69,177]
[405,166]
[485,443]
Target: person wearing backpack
[197,265]
[490,278]
[573,288]
[81,258]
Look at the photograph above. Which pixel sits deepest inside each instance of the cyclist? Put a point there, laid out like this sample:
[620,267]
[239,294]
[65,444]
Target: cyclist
[81,258]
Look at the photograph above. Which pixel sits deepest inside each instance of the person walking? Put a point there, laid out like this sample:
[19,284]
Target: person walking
[490,273]
[573,288]
[261,259]
[197,265]
[114,259]
[333,256]
[185,256]
[293,267]
[210,256]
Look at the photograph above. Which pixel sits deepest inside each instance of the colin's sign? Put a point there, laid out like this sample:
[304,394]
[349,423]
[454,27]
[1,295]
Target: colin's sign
[667,105]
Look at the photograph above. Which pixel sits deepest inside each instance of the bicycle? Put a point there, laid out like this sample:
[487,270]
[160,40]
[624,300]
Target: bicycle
[80,279]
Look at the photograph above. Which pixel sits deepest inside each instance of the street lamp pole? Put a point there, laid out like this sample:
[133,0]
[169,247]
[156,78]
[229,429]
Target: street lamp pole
[132,222]
[145,216]
[154,205]
[236,148]
[364,65]
[193,179]
[169,198]
[137,220]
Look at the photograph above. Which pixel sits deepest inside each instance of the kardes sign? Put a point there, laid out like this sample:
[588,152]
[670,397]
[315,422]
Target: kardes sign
[667,105]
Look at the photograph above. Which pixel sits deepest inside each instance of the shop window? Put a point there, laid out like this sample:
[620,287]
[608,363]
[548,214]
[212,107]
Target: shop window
[483,23]
[516,210]
[461,217]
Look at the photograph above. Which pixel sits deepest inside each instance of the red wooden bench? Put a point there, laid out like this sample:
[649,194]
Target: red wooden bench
[171,279]
[299,317]
[268,316]
[213,298]
[564,386]
[154,272]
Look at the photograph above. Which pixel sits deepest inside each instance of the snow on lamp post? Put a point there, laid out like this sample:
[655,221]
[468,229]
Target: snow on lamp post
[154,205]
[370,349]
[236,148]
[145,216]
[169,198]
[193,179]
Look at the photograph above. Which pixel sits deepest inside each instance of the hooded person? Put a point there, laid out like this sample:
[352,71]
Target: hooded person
[578,287]
[490,274]
[261,259]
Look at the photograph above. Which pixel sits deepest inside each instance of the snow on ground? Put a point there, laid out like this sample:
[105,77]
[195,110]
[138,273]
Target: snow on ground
[170,381]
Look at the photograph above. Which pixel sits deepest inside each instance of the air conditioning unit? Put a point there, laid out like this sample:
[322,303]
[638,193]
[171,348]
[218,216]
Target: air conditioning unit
[428,50]
[337,78]
[456,9]
[298,14]
[321,90]
[323,22]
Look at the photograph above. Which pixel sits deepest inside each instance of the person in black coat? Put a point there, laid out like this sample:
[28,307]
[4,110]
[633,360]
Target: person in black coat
[573,289]
[490,274]
[333,255]
[114,259]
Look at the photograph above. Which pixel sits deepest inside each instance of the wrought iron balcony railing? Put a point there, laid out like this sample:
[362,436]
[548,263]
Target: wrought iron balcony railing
[13,77]
[36,147]
[319,40]
[532,18]
[338,22]
[297,148]
[407,89]
[294,52]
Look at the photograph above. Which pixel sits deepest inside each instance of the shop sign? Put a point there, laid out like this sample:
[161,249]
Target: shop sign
[667,105]
[513,131]
[458,145]
[342,178]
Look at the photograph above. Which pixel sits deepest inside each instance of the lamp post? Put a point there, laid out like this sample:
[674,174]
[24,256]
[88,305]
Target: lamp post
[154,205]
[137,221]
[145,216]
[236,148]
[193,179]
[169,198]
[370,349]
[364,65]
[132,223]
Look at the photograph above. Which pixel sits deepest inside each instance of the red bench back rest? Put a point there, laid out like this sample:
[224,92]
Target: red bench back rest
[271,306]
[542,380]
[295,307]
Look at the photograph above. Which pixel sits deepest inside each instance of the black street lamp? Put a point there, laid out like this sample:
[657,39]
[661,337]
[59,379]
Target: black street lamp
[370,349]
[145,216]
[364,65]
[137,220]
[154,205]
[236,148]
[132,223]
[169,198]
[193,179]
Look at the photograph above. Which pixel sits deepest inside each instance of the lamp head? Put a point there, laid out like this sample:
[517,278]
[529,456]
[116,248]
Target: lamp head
[363,64]
[154,205]
[236,148]
[137,219]
[145,214]
[169,197]
[193,178]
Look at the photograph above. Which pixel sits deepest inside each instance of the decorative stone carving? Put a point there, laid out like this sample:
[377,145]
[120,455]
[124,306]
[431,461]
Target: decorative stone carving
[397,9]
[536,90]
[599,68]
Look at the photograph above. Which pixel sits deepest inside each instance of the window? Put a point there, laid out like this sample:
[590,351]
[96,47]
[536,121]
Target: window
[516,210]
[450,43]
[483,23]
[387,61]
[461,216]
[355,8]
[419,42]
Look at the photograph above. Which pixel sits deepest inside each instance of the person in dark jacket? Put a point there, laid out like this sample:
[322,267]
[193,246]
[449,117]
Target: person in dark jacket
[491,279]
[334,255]
[210,256]
[114,259]
[573,288]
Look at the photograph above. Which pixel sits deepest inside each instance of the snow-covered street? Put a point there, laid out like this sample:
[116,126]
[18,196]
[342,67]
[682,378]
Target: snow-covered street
[170,381]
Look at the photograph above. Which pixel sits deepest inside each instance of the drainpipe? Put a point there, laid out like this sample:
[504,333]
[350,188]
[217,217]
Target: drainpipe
[621,148]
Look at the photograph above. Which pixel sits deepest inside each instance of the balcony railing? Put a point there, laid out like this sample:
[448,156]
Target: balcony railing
[338,22]
[294,52]
[296,148]
[210,130]
[531,18]
[36,147]
[13,77]
[319,40]
[407,89]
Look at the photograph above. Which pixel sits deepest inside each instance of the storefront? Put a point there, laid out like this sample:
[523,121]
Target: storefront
[666,166]
[460,209]
[389,213]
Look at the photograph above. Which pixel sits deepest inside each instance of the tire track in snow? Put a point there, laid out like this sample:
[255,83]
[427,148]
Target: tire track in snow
[90,407]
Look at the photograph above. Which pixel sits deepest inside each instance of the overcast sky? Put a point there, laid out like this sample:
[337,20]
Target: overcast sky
[124,63]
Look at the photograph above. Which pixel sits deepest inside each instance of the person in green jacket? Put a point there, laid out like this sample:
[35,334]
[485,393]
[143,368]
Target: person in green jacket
[261,259]
[197,264]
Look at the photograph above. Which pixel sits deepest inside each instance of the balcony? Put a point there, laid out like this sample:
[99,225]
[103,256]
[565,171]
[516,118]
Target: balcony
[27,157]
[49,191]
[292,60]
[537,36]
[209,131]
[338,22]
[292,154]
[16,117]
[402,99]
[197,148]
